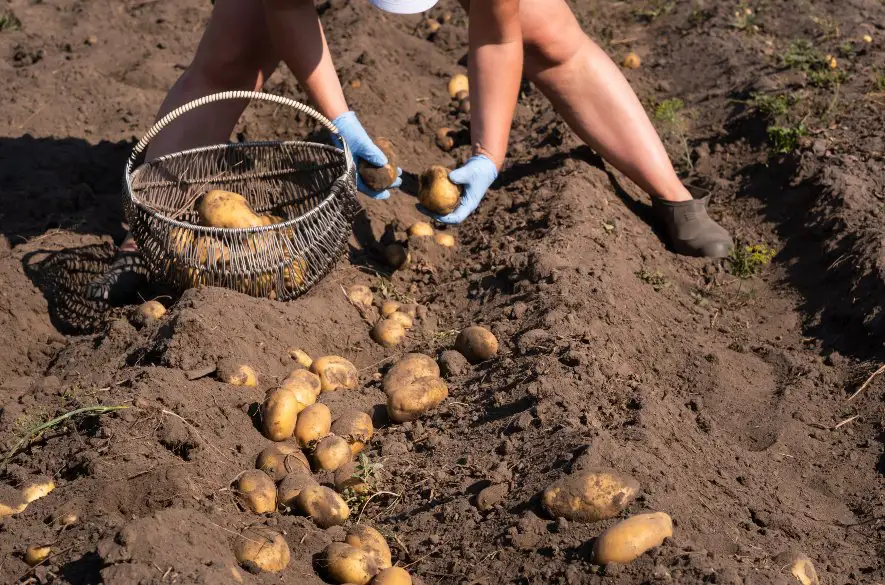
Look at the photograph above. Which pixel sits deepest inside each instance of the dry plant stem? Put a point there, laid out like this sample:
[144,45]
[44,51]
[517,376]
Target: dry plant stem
[868,382]
[846,421]
[363,509]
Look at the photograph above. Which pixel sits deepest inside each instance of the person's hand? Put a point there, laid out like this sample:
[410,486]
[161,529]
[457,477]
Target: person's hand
[362,148]
[476,175]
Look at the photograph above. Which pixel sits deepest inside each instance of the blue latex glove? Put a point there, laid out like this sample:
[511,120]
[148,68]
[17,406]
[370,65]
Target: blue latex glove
[477,175]
[362,148]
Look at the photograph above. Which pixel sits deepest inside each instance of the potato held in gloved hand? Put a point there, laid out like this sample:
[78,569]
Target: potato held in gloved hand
[380,178]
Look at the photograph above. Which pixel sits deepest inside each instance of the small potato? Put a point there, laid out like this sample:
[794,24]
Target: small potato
[347,477]
[632,61]
[313,424]
[800,567]
[402,319]
[420,229]
[67,519]
[388,333]
[37,488]
[262,549]
[444,140]
[355,427]
[410,402]
[458,83]
[388,308]
[224,209]
[396,256]
[361,296]
[393,576]
[36,554]
[371,542]
[336,373]
[322,505]
[306,379]
[301,357]
[279,414]
[628,539]
[464,105]
[236,374]
[409,368]
[436,192]
[10,507]
[257,491]
[380,178]
[331,453]
[280,459]
[477,344]
[444,240]
[292,485]
[149,312]
[591,495]
[462,95]
[345,564]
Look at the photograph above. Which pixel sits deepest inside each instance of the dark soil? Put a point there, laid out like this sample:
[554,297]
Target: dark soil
[727,398]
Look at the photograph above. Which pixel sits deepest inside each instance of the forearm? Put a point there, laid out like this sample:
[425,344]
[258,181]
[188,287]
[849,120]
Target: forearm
[495,72]
[298,38]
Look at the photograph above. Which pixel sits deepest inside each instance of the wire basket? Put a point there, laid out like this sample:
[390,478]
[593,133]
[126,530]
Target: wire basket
[310,186]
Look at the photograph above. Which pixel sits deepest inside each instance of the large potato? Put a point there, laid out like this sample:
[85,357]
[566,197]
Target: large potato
[436,192]
[292,485]
[388,333]
[36,488]
[306,378]
[262,549]
[280,459]
[336,373]
[322,505]
[380,178]
[313,424]
[224,209]
[211,251]
[355,427]
[591,495]
[345,564]
[279,414]
[628,539]
[477,344]
[331,453]
[407,369]
[393,576]
[371,542]
[257,491]
[410,402]
[361,296]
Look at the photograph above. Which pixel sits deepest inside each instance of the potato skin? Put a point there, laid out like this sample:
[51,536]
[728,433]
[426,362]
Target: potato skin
[325,507]
[257,491]
[393,576]
[313,424]
[355,427]
[331,453]
[388,333]
[630,538]
[346,564]
[292,485]
[336,373]
[306,378]
[36,554]
[590,495]
[236,374]
[301,357]
[399,317]
[420,229]
[280,459]
[409,368]
[371,542]
[262,548]
[361,296]
[477,344]
[380,178]
[445,240]
[457,84]
[410,402]
[388,308]
[225,209]
[436,192]
[149,312]
[347,477]
[279,414]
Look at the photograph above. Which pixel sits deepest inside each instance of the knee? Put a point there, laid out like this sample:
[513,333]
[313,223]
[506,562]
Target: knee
[225,68]
[549,46]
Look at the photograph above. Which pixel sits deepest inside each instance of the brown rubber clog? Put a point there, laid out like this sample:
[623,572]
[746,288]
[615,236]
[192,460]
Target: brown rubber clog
[692,232]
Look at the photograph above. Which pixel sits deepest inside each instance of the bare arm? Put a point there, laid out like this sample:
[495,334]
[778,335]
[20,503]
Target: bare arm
[298,37]
[495,71]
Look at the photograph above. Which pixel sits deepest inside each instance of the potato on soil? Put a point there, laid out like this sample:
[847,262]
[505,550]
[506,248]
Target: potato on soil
[331,453]
[149,312]
[404,320]
[301,379]
[436,192]
[345,564]
[458,83]
[630,538]
[444,240]
[322,505]
[591,495]
[280,459]
[361,296]
[632,61]
[36,554]
[279,414]
[444,139]
[393,576]
[420,229]
[410,402]
[313,424]
[407,369]
[462,95]
[301,357]
[236,374]
[371,542]
[380,178]
[800,567]
[478,344]
[36,489]
[388,333]
[388,308]
[292,485]
[347,477]
[262,549]
[67,519]
[464,105]
[355,427]
[257,491]
[336,373]
[12,501]
[224,209]
[396,256]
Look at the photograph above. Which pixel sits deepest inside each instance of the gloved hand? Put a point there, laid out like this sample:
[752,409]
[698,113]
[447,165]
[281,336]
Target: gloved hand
[477,175]
[362,148]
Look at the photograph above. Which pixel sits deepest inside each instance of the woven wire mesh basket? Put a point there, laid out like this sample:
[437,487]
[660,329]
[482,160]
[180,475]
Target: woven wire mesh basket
[310,186]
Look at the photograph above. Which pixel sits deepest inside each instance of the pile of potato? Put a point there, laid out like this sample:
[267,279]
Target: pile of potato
[392,319]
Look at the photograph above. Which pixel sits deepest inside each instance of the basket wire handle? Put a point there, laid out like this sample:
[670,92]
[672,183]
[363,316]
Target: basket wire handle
[234,95]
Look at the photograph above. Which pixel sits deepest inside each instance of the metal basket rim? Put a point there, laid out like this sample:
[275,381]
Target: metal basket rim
[138,202]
